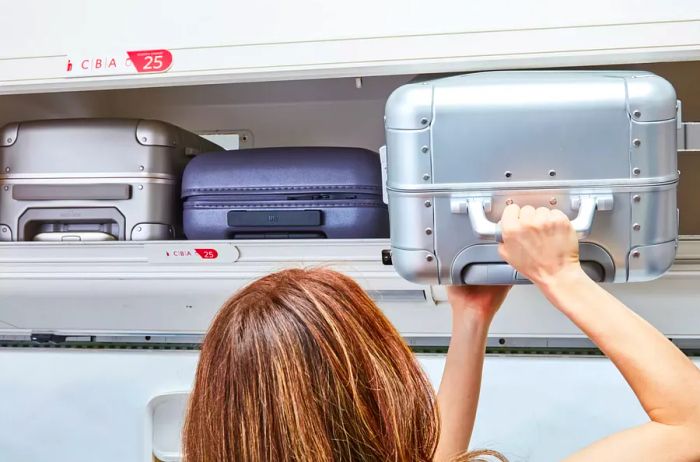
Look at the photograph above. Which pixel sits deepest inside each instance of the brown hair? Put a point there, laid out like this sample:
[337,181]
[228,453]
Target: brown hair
[302,365]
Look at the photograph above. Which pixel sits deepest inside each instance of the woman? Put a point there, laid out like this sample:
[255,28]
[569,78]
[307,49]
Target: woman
[302,366]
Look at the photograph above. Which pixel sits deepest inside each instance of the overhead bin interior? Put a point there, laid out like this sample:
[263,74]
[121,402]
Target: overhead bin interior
[315,112]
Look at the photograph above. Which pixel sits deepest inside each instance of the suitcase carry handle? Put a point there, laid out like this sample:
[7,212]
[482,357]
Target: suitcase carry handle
[486,229]
[54,192]
[502,273]
[274,218]
[43,222]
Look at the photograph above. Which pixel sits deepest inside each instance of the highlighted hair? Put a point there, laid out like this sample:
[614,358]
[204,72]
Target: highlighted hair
[301,365]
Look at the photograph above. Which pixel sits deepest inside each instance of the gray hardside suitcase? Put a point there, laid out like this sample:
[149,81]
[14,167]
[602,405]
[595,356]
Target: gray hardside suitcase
[598,145]
[93,179]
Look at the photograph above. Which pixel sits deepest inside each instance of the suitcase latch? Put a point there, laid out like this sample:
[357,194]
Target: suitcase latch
[386,257]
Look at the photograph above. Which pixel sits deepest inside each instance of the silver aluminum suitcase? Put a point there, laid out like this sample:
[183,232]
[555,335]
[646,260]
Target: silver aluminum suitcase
[598,145]
[93,179]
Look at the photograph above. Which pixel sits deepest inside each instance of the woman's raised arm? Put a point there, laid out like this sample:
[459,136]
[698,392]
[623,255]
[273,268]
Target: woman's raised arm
[473,308]
[542,245]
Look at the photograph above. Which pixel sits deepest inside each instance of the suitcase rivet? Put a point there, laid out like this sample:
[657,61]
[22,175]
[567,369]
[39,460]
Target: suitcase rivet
[637,198]
[428,231]
[140,186]
[552,173]
[636,254]
[637,113]
[9,140]
[509,201]
[138,229]
[6,188]
[429,258]
[508,174]
[637,142]
[141,167]
[424,149]
[424,121]
[144,139]
[553,201]
[427,203]
[636,226]
[426,177]
[4,230]
[636,171]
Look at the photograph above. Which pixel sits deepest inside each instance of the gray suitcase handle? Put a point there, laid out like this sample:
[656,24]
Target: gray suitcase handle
[108,219]
[486,229]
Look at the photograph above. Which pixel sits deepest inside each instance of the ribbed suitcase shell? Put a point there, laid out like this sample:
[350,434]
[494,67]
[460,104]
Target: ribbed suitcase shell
[72,179]
[598,145]
[296,192]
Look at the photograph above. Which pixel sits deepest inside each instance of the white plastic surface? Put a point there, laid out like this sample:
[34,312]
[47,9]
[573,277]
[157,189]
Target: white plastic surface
[221,41]
[94,405]
[166,287]
[51,288]
[167,414]
[84,405]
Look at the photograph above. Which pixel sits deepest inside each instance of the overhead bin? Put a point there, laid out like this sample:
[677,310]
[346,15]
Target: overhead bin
[168,292]
[122,292]
[285,41]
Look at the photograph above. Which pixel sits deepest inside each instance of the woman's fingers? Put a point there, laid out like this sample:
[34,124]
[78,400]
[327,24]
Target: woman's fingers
[559,218]
[514,218]
[558,215]
[510,215]
[537,242]
[527,214]
[542,215]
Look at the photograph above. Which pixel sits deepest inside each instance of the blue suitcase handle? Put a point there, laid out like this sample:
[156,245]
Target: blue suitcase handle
[274,218]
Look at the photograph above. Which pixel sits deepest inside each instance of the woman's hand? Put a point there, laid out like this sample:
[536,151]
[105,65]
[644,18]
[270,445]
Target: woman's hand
[482,301]
[540,243]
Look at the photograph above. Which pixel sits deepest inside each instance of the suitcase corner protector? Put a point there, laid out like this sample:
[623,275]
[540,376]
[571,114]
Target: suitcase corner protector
[8,134]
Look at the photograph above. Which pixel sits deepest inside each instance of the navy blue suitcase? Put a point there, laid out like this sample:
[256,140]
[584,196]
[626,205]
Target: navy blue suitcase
[278,193]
